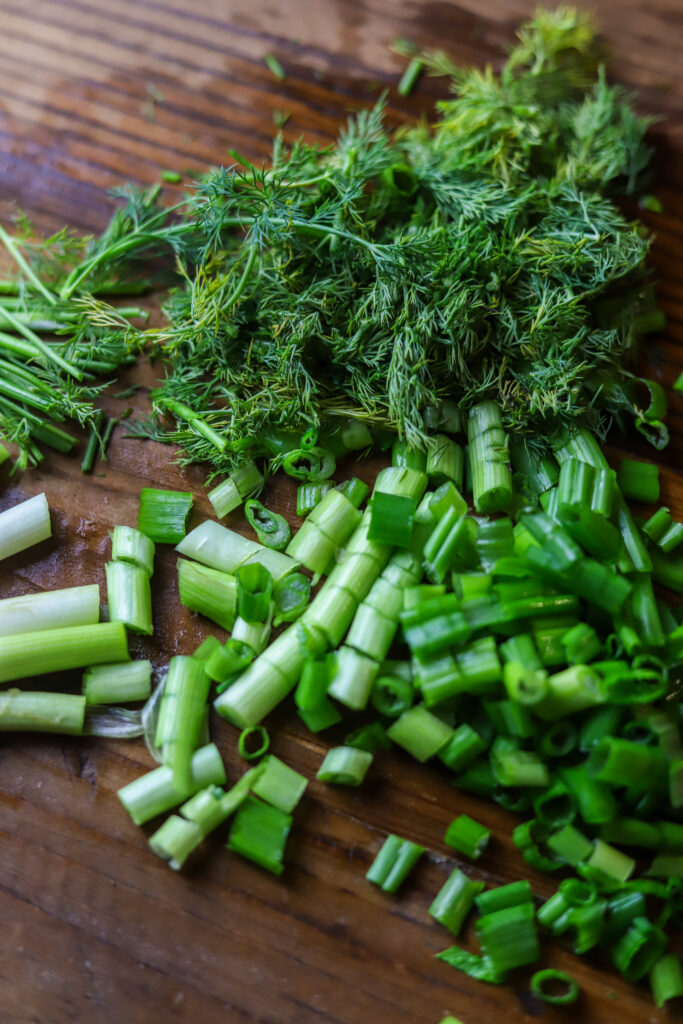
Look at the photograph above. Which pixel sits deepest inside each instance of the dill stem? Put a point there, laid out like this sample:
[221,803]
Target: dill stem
[18,257]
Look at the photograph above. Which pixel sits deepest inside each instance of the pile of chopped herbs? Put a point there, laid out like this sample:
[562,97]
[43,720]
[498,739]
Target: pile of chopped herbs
[485,256]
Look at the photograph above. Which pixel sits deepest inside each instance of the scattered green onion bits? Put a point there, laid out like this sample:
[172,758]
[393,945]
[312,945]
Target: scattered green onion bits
[253,742]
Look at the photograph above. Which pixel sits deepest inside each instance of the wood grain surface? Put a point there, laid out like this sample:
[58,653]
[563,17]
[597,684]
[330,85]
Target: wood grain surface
[93,928]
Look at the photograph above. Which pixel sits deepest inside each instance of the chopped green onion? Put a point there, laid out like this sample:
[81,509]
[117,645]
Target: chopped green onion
[508,937]
[242,483]
[666,979]
[310,495]
[392,695]
[321,717]
[253,734]
[56,650]
[51,609]
[291,596]
[403,454]
[163,515]
[208,591]
[519,768]
[467,836]
[391,519]
[309,464]
[272,529]
[353,680]
[474,966]
[453,902]
[274,66]
[639,949]
[21,710]
[554,987]
[464,746]
[409,77]
[155,793]
[354,489]
[504,896]
[420,732]
[257,691]
[259,832]
[639,481]
[175,840]
[254,588]
[130,545]
[254,634]
[622,762]
[445,462]
[129,596]
[313,548]
[118,684]
[226,662]
[345,766]
[393,863]
[24,525]
[606,863]
[181,715]
[491,478]
[279,785]
[370,737]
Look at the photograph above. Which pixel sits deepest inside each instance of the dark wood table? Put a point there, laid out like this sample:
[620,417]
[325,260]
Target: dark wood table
[93,927]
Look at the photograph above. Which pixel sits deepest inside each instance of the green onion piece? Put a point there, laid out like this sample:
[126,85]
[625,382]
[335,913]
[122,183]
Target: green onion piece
[639,481]
[254,634]
[23,711]
[242,483]
[24,525]
[467,836]
[181,715]
[254,587]
[208,591]
[401,481]
[171,177]
[525,686]
[175,840]
[313,548]
[570,845]
[155,793]
[464,746]
[275,67]
[559,740]
[259,832]
[606,863]
[118,684]
[666,979]
[355,490]
[454,901]
[639,949]
[403,454]
[4,454]
[321,717]
[474,966]
[420,732]
[218,548]
[226,662]
[448,545]
[657,525]
[409,77]
[253,742]
[129,596]
[572,690]
[130,545]
[519,768]
[309,464]
[370,737]
[554,987]
[331,611]
[444,497]
[279,785]
[271,529]
[163,515]
[393,863]
[508,937]
[556,806]
[620,762]
[310,495]
[540,472]
[291,596]
[392,695]
[631,832]
[594,799]
[56,650]
[353,680]
[604,722]
[391,519]
[207,648]
[260,688]
[494,541]
[52,609]
[581,643]
[445,461]
[345,766]
[491,478]
[311,692]
[504,896]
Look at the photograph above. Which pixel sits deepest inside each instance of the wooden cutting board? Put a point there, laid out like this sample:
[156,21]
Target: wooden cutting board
[93,928]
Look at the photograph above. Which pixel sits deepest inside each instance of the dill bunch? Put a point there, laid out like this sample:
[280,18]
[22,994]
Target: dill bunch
[483,256]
